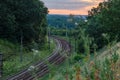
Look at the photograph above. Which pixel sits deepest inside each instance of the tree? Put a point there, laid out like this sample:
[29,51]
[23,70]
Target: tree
[25,18]
[104,18]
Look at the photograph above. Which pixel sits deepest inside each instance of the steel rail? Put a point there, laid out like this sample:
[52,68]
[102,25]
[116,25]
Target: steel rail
[41,68]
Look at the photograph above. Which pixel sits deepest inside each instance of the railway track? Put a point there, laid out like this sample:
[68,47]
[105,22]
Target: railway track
[41,68]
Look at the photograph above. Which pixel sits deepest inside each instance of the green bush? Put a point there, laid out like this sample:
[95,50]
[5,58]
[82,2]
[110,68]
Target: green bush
[78,57]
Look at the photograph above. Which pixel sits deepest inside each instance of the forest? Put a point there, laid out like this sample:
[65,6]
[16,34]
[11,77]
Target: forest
[24,19]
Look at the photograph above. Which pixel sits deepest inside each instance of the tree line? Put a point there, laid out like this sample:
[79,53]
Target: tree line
[102,25]
[23,19]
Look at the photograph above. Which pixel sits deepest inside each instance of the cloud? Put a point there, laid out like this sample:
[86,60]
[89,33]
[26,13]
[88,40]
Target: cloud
[70,5]
[66,4]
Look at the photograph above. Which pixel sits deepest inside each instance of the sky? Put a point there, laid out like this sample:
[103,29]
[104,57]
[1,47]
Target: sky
[66,7]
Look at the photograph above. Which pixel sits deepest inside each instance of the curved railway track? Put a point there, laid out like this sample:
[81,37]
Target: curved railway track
[41,68]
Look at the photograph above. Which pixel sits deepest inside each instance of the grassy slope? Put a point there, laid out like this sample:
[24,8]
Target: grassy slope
[71,69]
[11,52]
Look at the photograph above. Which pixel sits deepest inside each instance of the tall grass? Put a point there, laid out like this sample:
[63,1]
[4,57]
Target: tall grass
[105,67]
[8,49]
[12,64]
[99,70]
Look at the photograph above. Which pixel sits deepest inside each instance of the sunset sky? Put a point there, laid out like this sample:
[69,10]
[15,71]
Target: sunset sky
[76,7]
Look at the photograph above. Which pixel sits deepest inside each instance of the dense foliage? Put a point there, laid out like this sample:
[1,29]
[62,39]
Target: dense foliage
[23,19]
[61,21]
[104,19]
[102,26]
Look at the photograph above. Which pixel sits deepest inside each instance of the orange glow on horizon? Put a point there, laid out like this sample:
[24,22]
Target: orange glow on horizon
[83,11]
[66,12]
